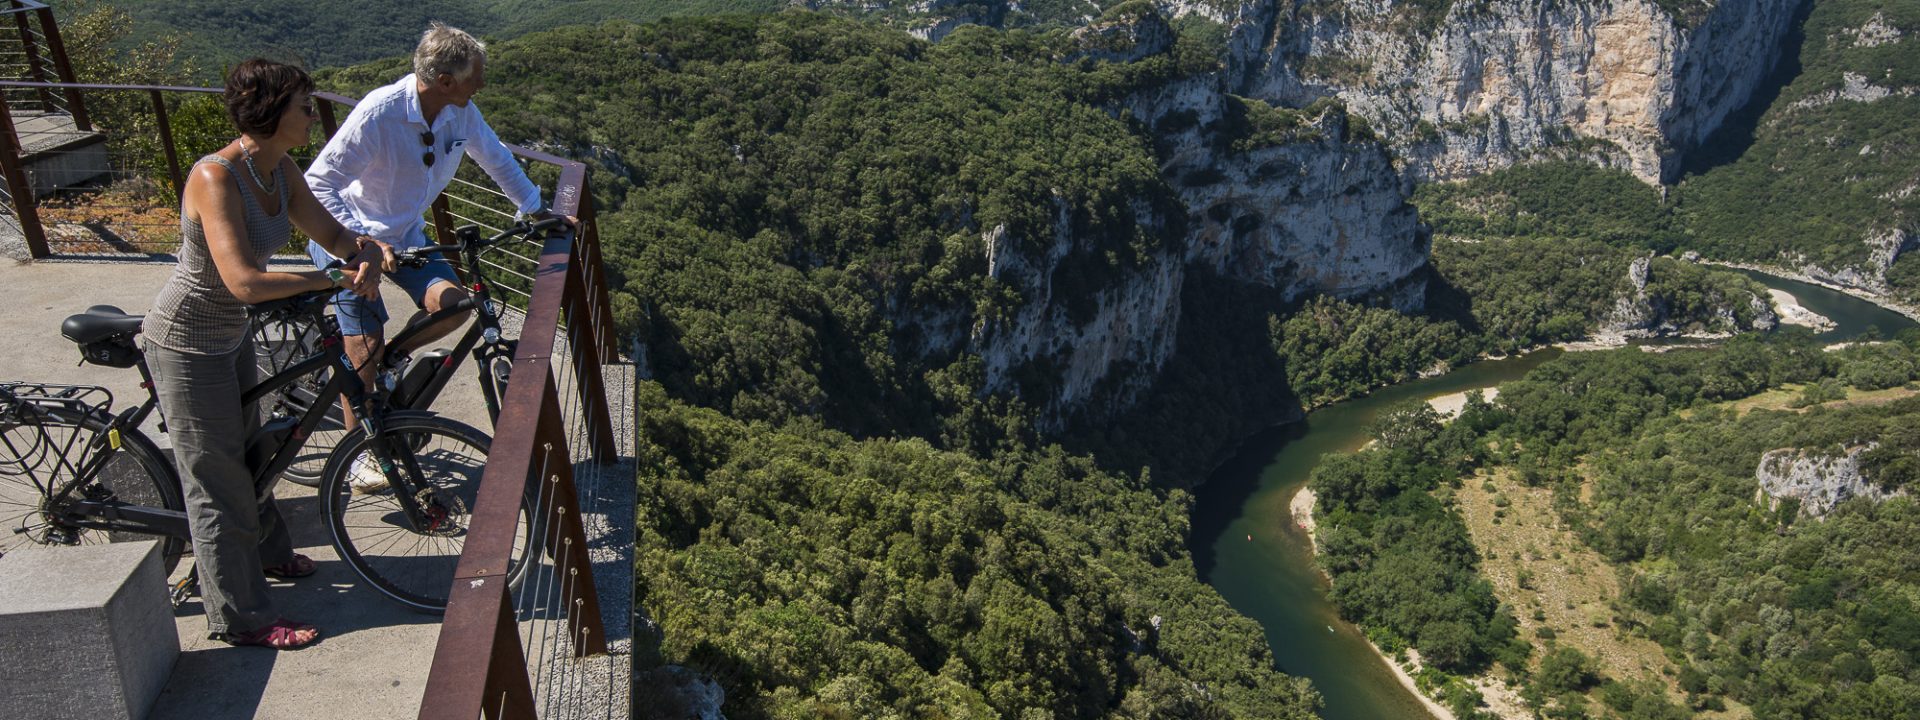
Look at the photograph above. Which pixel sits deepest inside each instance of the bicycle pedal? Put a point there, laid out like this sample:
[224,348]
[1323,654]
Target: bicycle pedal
[184,590]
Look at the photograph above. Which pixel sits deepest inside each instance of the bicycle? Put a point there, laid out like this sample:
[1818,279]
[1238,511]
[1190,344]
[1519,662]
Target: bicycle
[412,378]
[57,443]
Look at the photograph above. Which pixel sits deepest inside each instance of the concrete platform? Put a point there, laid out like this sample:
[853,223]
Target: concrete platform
[373,660]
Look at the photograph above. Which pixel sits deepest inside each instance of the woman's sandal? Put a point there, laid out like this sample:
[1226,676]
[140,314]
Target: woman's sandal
[300,566]
[281,635]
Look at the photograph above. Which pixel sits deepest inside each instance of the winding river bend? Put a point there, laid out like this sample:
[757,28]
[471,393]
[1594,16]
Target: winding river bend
[1247,546]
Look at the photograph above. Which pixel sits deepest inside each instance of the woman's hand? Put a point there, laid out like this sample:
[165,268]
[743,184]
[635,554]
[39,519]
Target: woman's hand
[363,278]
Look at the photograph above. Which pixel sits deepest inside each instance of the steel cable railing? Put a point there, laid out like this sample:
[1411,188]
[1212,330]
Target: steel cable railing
[546,640]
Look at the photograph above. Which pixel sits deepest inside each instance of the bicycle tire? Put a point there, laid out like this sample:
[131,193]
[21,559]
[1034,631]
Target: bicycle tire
[370,530]
[278,345]
[136,473]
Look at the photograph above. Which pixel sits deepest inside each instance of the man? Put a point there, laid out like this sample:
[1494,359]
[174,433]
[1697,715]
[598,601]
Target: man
[395,153]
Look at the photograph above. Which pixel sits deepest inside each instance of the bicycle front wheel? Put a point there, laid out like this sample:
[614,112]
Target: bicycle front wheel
[412,560]
[42,448]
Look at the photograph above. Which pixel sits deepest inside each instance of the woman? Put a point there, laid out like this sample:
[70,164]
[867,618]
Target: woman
[234,215]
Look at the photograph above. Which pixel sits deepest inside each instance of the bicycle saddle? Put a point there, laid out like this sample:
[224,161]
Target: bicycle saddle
[99,323]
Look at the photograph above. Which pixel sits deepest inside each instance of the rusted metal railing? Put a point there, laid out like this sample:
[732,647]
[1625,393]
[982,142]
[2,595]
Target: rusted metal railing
[112,188]
[38,54]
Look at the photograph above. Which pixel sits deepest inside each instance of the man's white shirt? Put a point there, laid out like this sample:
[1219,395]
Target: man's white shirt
[371,177]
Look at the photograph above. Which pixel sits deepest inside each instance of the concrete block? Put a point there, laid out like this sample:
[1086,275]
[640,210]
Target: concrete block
[85,632]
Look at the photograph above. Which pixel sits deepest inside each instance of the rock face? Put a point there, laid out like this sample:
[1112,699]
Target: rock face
[1315,210]
[1318,210]
[1468,86]
[676,693]
[1819,480]
[1883,247]
[1323,206]
[1481,85]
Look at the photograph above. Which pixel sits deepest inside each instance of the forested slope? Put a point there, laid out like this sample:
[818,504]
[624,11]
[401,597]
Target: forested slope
[336,33]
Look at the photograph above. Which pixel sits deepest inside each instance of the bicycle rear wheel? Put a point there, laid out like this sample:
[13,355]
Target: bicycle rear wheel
[40,450]
[371,530]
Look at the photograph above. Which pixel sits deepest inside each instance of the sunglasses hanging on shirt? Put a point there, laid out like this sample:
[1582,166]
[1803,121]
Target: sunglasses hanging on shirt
[427,157]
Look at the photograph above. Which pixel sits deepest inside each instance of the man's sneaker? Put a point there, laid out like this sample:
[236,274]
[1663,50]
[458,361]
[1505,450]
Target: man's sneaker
[365,475]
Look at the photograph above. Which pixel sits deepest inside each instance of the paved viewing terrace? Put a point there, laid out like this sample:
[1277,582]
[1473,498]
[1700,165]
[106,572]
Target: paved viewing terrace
[374,658]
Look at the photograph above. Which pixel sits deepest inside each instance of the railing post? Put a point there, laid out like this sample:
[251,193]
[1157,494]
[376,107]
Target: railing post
[166,142]
[76,104]
[25,206]
[590,232]
[443,230]
[33,58]
[327,123]
[464,679]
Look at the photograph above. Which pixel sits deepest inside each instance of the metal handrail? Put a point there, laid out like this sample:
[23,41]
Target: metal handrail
[57,53]
[19,6]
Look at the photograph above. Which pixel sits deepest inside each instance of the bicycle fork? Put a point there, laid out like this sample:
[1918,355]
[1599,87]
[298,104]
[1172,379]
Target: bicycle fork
[424,509]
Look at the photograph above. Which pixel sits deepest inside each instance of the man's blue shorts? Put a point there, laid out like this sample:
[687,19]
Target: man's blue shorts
[357,314]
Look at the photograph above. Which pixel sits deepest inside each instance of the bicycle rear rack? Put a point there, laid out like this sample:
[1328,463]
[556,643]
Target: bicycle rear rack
[33,451]
[78,398]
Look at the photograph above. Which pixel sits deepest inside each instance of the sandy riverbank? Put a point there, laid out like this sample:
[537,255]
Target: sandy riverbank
[1867,295]
[1501,698]
[1791,313]
[1450,406]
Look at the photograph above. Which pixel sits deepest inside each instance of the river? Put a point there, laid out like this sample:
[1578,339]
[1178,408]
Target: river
[1247,546]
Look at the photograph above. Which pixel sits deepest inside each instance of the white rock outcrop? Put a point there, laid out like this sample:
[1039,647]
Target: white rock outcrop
[1820,480]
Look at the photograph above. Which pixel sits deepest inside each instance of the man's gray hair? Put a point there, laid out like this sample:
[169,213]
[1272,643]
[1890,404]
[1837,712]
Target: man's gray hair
[445,50]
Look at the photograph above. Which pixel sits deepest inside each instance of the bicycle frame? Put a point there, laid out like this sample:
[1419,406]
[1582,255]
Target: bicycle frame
[480,303]
[118,516]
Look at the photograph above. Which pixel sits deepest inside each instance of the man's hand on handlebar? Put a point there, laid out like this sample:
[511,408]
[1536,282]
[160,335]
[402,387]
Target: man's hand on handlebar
[571,221]
[371,249]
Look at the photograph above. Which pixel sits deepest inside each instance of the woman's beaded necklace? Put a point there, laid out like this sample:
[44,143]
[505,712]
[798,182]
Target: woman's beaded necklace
[247,155]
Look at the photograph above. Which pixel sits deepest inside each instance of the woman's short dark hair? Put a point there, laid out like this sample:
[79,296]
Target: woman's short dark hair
[260,90]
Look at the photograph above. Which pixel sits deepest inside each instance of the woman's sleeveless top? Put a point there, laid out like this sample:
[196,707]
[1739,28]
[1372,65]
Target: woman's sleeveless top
[195,313]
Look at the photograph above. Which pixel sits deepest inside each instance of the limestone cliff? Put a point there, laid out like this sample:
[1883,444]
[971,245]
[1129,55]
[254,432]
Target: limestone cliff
[1472,86]
[1818,480]
[1300,201]
[1466,86]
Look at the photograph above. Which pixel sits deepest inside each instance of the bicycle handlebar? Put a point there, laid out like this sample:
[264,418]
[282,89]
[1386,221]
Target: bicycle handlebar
[469,236]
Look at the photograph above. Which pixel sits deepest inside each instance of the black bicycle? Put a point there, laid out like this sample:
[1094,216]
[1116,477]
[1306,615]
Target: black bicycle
[412,377]
[73,472]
